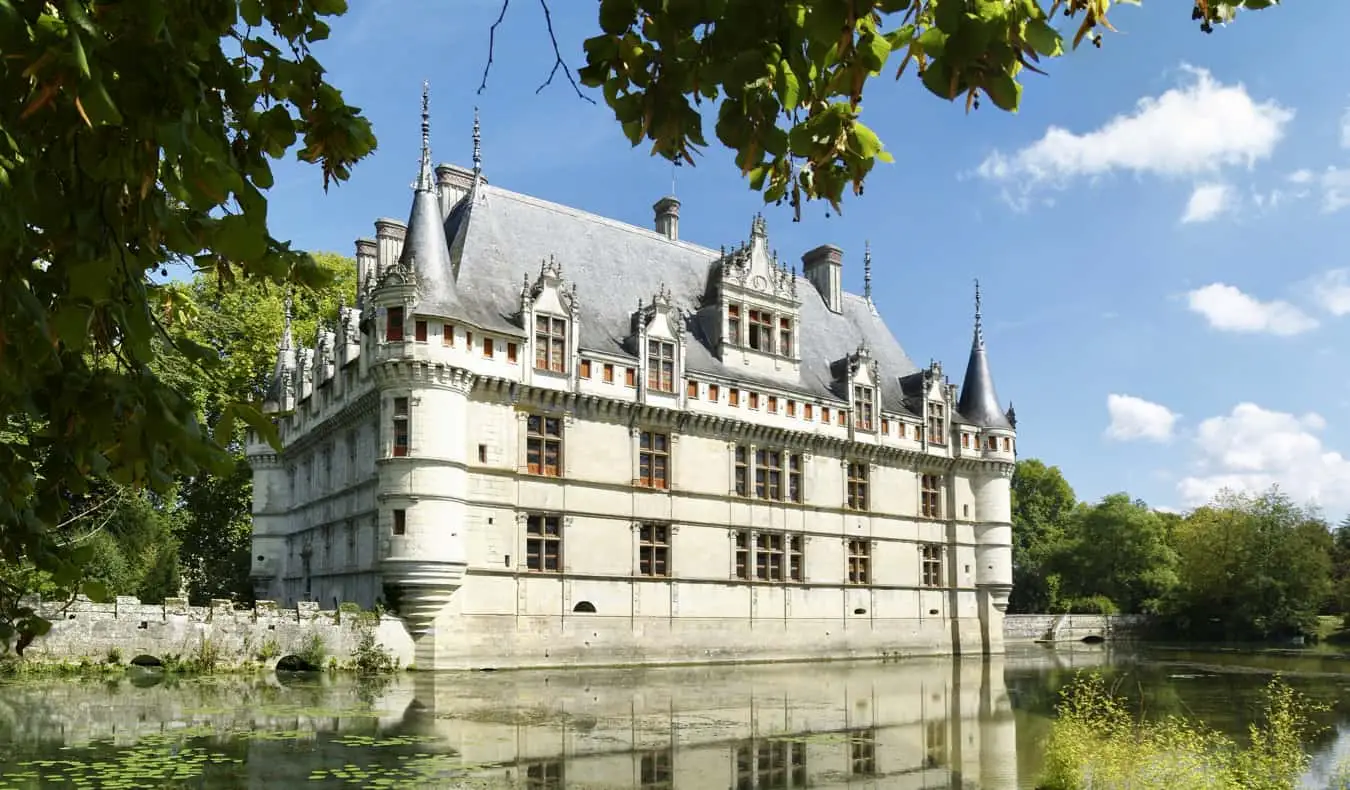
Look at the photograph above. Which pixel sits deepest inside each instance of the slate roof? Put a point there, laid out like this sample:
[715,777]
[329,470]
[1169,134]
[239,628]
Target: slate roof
[979,402]
[498,237]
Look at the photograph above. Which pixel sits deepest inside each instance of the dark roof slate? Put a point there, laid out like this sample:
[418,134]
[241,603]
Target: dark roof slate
[497,237]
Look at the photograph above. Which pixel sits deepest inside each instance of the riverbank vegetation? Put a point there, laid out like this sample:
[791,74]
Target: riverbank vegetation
[1097,743]
[1254,567]
[192,538]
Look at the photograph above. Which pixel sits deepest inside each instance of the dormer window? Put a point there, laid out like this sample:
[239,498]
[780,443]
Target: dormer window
[761,331]
[785,336]
[862,408]
[734,324]
[393,327]
[660,365]
[937,423]
[550,344]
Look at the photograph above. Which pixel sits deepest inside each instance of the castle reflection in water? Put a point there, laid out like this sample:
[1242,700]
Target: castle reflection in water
[916,723]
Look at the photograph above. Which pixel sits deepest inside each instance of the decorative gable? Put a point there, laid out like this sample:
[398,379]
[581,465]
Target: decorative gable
[548,314]
[752,267]
[305,362]
[855,379]
[348,341]
[656,337]
[325,356]
[757,303]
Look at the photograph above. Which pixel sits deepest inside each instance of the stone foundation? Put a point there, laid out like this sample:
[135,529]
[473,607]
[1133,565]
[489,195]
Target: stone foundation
[129,629]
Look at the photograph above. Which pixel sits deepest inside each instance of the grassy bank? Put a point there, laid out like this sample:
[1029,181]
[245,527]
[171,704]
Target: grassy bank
[1097,743]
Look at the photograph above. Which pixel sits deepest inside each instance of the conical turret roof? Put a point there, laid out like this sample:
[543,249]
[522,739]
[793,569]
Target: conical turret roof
[979,400]
[425,250]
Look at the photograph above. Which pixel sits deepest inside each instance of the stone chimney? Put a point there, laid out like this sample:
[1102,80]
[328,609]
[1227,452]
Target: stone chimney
[668,217]
[452,183]
[824,267]
[389,235]
[366,255]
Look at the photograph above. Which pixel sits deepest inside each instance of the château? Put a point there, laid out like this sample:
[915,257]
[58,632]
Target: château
[546,437]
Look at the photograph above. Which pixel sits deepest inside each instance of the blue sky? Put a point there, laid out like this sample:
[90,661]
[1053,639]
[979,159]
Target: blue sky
[1160,233]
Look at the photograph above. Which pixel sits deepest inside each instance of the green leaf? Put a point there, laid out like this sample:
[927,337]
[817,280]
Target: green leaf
[1005,91]
[251,11]
[866,142]
[1043,38]
[932,41]
[949,14]
[937,78]
[259,422]
[901,38]
[616,16]
[238,239]
[77,50]
[95,591]
[98,105]
[878,49]
[789,89]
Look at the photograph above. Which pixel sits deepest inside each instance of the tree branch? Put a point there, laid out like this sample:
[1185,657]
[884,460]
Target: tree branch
[557,58]
[492,44]
[558,62]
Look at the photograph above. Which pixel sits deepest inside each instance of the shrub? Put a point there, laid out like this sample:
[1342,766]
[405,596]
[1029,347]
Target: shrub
[1095,604]
[1096,744]
[313,651]
[370,658]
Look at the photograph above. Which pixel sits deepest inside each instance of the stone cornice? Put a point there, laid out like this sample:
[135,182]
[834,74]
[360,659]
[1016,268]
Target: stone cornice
[420,372]
[713,426]
[358,408]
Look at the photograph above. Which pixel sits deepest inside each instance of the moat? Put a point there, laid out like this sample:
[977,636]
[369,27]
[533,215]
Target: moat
[921,723]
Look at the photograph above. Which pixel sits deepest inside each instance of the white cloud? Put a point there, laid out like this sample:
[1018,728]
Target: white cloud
[1253,448]
[1196,128]
[1335,183]
[1331,290]
[1207,202]
[1230,310]
[1135,418]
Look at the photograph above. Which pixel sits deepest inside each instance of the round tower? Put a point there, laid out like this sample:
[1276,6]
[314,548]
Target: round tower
[993,488]
[423,409]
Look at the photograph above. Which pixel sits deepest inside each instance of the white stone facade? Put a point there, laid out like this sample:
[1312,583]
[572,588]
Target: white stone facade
[528,485]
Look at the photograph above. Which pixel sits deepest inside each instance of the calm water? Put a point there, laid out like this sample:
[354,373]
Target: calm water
[914,724]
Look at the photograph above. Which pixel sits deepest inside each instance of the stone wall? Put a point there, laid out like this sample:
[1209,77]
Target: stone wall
[130,629]
[1070,627]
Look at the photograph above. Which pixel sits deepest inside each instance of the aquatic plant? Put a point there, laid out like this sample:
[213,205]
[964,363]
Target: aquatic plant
[1096,743]
[369,657]
[313,651]
[269,650]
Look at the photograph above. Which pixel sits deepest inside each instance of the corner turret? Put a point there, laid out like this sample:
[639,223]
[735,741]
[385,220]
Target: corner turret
[425,251]
[281,390]
[979,400]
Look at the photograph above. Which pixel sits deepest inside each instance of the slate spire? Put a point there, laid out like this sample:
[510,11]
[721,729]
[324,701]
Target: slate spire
[425,250]
[979,401]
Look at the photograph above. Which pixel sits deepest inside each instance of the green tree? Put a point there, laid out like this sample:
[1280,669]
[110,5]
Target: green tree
[242,325]
[1250,567]
[789,75]
[1117,549]
[1339,600]
[130,138]
[1042,504]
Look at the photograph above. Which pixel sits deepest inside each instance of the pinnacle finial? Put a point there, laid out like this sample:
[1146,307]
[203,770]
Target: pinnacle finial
[425,181]
[867,270]
[979,323]
[286,323]
[477,145]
